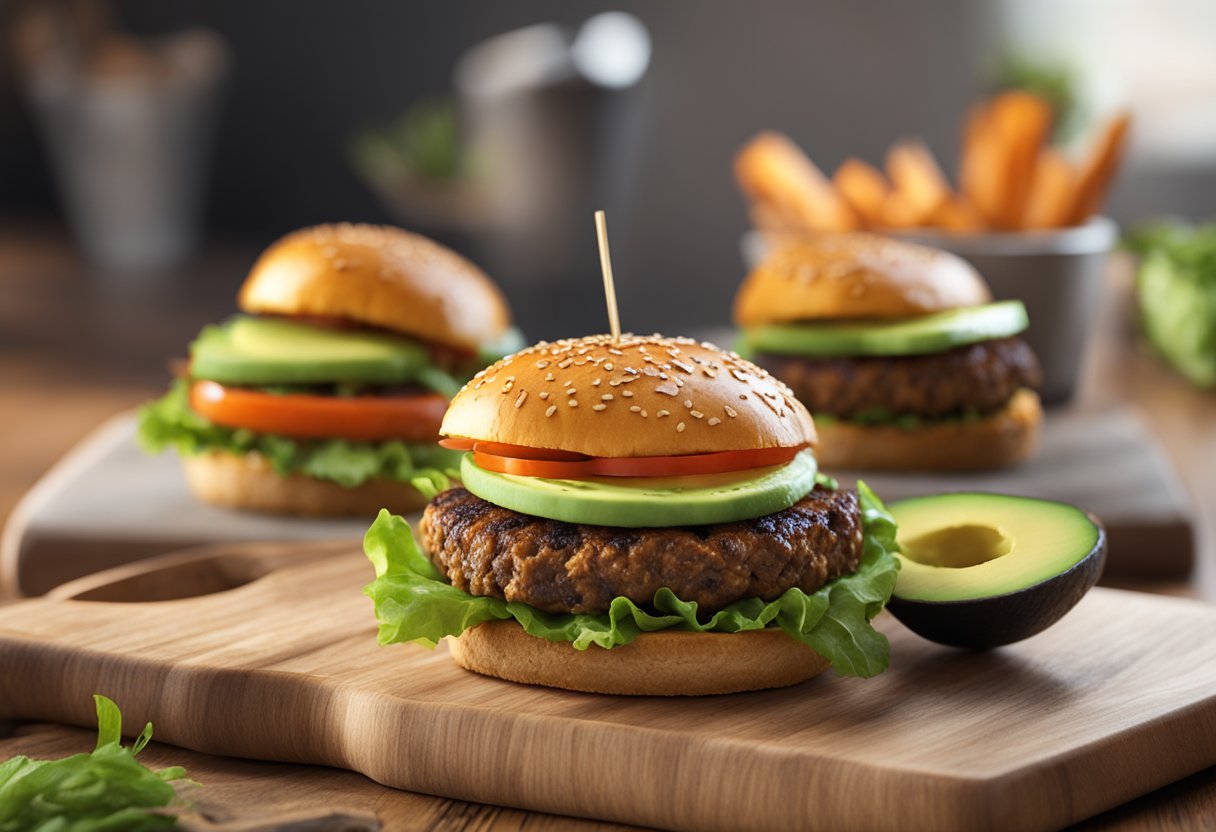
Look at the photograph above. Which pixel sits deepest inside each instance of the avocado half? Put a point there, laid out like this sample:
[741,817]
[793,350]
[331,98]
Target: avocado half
[984,570]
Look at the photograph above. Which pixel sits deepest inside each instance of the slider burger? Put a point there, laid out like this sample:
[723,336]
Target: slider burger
[898,351]
[325,396]
[641,516]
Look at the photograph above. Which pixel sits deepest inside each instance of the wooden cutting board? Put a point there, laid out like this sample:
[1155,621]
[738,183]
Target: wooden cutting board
[1116,700]
[107,503]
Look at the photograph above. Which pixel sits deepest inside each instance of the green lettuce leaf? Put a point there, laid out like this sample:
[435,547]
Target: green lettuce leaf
[414,604]
[98,792]
[169,422]
[1176,290]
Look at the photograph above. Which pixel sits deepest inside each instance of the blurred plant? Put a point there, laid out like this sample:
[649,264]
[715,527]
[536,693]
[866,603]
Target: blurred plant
[1176,288]
[1057,83]
[423,143]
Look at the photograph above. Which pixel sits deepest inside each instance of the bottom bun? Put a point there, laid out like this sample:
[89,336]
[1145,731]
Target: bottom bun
[666,663]
[1005,438]
[249,482]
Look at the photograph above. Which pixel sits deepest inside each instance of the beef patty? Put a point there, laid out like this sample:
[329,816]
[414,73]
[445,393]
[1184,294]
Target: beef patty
[485,549]
[977,377]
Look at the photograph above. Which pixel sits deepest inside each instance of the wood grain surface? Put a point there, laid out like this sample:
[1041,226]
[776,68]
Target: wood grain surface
[255,795]
[1116,700]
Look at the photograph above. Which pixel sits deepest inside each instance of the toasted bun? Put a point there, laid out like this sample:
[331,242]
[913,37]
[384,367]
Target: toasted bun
[1005,438]
[249,482]
[381,276]
[666,663]
[645,396]
[831,276]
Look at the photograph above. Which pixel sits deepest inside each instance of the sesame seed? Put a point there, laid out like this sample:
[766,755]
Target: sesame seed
[608,365]
[679,382]
[607,397]
[730,411]
[643,414]
[685,367]
[564,363]
[635,409]
[680,428]
[572,402]
[542,364]
[696,414]
[614,382]
[523,394]
[549,377]
[552,409]
[663,413]
[667,389]
[663,376]
[567,383]
[616,352]
[688,402]
[570,391]
[627,394]
[596,383]
[714,421]
[544,394]
[599,406]
[709,372]
[631,371]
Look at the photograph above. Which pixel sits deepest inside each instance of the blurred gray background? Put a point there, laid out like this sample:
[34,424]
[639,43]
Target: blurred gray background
[842,78]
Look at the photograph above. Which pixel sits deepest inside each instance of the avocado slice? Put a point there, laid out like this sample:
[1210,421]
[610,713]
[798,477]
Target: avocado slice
[983,570]
[938,332]
[249,350]
[648,502]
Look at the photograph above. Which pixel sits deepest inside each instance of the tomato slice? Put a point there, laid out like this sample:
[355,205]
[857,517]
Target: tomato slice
[367,418]
[517,451]
[639,466]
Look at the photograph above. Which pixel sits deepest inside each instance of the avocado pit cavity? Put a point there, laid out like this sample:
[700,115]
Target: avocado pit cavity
[959,546]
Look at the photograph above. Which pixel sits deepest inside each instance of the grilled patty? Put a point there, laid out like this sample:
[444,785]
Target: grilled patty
[485,549]
[978,377]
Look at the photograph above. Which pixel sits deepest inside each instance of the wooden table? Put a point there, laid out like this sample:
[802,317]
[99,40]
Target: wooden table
[72,354]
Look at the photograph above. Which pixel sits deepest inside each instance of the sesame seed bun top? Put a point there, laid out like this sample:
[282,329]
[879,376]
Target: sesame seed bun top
[643,396]
[858,276]
[380,276]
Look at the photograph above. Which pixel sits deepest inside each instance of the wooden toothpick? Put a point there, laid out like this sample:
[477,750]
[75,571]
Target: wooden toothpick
[601,232]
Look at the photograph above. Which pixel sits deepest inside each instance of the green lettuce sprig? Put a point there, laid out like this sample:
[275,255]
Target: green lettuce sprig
[415,604]
[105,791]
[169,422]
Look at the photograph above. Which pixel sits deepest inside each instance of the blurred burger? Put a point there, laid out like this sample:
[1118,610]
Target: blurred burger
[326,395]
[641,516]
[898,351]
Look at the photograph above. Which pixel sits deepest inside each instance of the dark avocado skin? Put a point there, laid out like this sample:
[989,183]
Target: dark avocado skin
[984,623]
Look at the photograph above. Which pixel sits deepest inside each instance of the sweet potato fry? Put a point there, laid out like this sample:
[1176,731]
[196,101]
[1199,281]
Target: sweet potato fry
[1053,192]
[1021,121]
[917,177]
[957,214]
[1001,142]
[899,212]
[864,187]
[979,167]
[1099,168]
[772,169]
